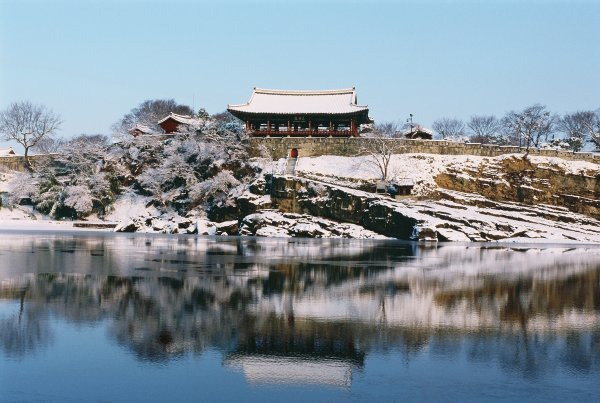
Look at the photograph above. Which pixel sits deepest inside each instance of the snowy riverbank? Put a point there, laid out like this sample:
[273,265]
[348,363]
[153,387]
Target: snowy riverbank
[455,198]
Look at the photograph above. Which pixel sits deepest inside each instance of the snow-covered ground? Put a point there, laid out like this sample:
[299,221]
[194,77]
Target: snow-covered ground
[19,220]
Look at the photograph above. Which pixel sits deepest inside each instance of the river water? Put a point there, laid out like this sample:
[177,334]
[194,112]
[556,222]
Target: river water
[117,317]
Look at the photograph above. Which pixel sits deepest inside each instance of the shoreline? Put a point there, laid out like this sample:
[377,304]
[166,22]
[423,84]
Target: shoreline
[48,225]
[25,227]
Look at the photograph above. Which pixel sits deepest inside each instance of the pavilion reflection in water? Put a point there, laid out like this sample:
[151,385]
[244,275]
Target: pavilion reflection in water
[282,310]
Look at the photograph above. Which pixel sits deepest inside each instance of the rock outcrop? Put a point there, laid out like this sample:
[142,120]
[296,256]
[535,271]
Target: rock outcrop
[462,217]
[276,224]
[520,180]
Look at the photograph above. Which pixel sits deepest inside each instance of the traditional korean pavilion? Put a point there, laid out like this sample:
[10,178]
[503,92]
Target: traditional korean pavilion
[171,123]
[302,113]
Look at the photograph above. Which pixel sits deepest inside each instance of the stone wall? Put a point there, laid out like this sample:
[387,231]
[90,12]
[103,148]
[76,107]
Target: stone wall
[15,163]
[280,147]
[18,162]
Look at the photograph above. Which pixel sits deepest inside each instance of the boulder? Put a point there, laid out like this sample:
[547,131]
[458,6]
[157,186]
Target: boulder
[205,227]
[128,226]
[228,227]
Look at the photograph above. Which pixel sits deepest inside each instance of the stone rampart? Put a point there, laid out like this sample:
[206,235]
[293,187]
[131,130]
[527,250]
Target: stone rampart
[18,162]
[280,147]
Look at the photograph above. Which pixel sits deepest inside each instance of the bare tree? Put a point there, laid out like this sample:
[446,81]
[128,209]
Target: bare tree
[380,146]
[390,129]
[485,129]
[49,145]
[576,126]
[450,128]
[593,130]
[529,127]
[28,124]
[148,113]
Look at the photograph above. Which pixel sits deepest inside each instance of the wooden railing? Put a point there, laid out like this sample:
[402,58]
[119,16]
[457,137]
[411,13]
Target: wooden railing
[304,133]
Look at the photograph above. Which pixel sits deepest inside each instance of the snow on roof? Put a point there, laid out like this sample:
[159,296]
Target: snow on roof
[141,128]
[341,101]
[404,182]
[185,119]
[418,129]
[7,152]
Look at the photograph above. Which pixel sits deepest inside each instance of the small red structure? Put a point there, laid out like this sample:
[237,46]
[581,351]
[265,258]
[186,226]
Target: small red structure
[294,153]
[171,123]
[418,132]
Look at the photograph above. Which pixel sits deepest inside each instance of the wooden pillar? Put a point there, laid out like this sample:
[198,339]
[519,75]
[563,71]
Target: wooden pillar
[352,126]
[309,127]
[268,125]
[289,125]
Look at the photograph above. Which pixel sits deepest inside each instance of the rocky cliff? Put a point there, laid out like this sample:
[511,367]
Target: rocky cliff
[456,216]
[520,180]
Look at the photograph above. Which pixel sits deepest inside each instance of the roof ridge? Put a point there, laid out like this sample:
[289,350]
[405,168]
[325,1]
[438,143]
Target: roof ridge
[181,116]
[304,92]
[334,101]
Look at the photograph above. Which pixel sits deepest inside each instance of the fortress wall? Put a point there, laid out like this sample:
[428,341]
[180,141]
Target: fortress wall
[280,147]
[18,162]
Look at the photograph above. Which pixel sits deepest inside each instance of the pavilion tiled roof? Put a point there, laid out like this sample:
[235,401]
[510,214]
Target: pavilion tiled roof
[141,128]
[330,102]
[184,119]
[417,129]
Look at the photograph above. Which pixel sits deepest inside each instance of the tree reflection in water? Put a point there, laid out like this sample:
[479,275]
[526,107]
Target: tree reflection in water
[325,302]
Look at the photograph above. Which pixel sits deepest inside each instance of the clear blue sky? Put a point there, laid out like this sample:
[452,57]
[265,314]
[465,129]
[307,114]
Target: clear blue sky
[93,61]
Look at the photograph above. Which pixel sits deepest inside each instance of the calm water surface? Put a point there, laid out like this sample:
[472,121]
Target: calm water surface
[106,317]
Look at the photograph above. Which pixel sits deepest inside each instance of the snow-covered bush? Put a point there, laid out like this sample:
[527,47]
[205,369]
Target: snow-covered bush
[203,166]
[213,190]
[197,167]
[571,143]
[79,198]
[78,180]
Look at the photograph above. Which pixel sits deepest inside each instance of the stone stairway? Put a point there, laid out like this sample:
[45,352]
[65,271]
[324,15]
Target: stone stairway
[290,166]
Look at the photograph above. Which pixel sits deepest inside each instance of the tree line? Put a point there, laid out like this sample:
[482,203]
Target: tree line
[534,126]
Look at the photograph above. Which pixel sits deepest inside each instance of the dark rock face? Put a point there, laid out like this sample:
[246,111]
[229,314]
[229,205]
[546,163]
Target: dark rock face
[127,227]
[307,197]
[254,199]
[390,221]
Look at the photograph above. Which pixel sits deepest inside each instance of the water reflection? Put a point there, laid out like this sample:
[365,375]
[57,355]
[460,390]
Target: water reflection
[307,311]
